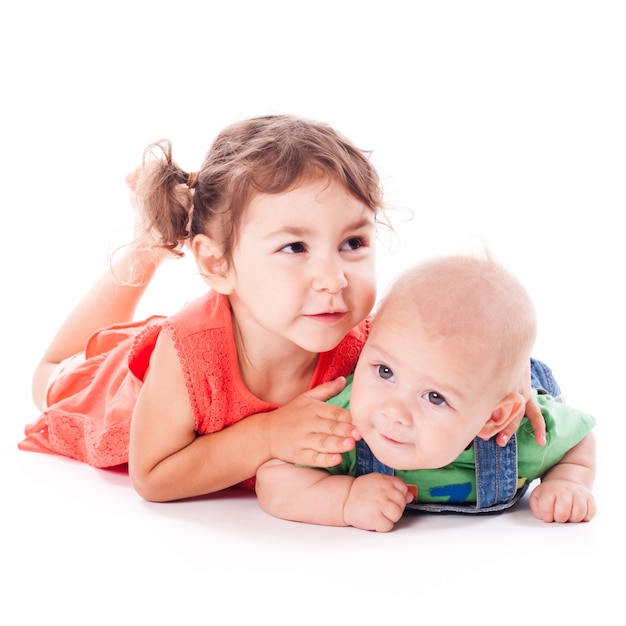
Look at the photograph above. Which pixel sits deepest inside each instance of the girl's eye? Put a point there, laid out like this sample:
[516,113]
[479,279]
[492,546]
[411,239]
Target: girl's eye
[384,372]
[435,398]
[294,248]
[354,243]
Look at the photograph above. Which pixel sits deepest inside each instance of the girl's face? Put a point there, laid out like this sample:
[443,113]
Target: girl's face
[303,268]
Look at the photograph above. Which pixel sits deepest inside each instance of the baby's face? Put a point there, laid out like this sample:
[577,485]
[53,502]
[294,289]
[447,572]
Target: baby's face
[418,401]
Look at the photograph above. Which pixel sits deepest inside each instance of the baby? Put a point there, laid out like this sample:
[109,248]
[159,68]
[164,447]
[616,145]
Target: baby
[441,373]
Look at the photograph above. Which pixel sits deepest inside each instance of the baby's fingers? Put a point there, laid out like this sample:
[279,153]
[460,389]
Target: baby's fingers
[574,507]
[563,506]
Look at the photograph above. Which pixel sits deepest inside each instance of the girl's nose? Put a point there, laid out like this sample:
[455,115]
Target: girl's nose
[329,276]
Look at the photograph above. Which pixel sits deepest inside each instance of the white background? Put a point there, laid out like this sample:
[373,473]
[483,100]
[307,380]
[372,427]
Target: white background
[497,123]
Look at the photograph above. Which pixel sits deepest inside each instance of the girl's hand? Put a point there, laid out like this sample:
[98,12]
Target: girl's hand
[532,412]
[308,431]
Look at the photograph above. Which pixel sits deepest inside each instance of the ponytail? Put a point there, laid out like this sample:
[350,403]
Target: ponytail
[165,197]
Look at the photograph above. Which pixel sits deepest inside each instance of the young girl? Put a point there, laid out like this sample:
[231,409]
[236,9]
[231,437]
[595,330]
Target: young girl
[281,220]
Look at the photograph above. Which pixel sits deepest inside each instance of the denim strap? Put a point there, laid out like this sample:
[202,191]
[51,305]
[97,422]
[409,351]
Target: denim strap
[367,463]
[496,471]
[542,378]
[496,481]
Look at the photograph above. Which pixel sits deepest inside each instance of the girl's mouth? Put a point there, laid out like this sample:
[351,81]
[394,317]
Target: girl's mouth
[327,318]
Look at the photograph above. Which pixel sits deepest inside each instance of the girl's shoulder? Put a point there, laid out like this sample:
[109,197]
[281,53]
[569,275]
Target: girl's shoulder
[200,316]
[210,310]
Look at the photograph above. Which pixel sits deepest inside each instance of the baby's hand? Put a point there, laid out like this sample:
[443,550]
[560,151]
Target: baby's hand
[376,502]
[557,500]
[309,431]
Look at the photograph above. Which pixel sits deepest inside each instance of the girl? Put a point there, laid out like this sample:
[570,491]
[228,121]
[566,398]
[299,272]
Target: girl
[281,221]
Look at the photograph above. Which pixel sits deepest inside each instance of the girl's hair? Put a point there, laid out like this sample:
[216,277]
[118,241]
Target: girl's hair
[269,154]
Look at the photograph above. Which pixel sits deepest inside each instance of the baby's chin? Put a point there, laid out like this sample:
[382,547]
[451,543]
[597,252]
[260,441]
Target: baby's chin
[405,458]
[396,458]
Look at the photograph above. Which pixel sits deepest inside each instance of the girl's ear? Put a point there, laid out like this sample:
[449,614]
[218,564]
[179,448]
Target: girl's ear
[211,263]
[508,409]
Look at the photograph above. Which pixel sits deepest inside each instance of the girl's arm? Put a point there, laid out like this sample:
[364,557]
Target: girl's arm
[169,461]
[533,413]
[370,502]
[535,417]
[564,494]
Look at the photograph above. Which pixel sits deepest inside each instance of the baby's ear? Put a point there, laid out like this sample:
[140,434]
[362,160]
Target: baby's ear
[212,264]
[509,408]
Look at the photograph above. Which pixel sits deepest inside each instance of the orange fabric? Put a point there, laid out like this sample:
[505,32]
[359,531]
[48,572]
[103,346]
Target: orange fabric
[90,405]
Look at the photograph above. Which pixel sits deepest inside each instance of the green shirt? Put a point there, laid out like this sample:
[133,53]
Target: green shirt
[565,427]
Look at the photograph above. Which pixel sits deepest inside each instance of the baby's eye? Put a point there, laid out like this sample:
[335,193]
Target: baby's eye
[354,243]
[384,372]
[435,398]
[294,248]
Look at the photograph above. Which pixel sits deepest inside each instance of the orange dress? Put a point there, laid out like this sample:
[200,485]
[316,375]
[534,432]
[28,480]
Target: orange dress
[90,406]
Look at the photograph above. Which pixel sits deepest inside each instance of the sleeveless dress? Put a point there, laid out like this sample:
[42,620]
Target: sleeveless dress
[90,405]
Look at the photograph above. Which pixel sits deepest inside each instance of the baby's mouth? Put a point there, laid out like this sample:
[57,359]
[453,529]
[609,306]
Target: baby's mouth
[392,441]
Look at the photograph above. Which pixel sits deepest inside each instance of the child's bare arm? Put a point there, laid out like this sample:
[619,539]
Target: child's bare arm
[169,461]
[302,494]
[564,494]
[371,502]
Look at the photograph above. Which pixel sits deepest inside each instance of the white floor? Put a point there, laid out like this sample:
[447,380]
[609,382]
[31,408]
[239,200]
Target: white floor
[79,546]
[500,123]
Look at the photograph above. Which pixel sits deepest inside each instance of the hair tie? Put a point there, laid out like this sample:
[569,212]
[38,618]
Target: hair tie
[192,179]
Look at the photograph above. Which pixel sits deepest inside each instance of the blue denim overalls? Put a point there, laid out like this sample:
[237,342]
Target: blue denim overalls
[496,466]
